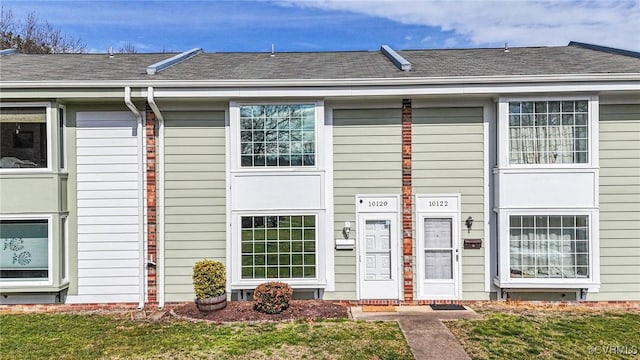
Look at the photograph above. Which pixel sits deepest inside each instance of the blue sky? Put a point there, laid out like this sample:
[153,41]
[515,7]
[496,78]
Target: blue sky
[325,25]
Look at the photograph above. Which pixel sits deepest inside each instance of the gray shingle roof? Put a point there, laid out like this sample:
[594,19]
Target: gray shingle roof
[319,65]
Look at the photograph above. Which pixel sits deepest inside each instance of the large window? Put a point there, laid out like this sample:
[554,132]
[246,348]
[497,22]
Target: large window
[548,132]
[277,135]
[554,246]
[278,247]
[24,249]
[23,137]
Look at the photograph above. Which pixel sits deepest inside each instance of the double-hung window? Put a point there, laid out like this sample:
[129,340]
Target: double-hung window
[549,246]
[548,192]
[282,247]
[24,137]
[276,200]
[548,132]
[277,135]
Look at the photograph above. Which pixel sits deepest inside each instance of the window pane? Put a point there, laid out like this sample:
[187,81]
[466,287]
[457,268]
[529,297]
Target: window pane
[284,133]
[23,142]
[549,246]
[548,132]
[278,247]
[24,249]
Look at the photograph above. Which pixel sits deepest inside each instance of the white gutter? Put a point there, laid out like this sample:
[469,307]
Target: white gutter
[160,194]
[140,128]
[404,81]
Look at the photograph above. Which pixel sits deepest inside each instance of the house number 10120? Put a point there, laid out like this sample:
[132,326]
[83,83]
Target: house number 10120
[382,203]
[438,203]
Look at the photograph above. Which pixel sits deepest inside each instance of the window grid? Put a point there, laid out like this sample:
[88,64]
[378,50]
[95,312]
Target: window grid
[282,247]
[548,132]
[552,246]
[277,135]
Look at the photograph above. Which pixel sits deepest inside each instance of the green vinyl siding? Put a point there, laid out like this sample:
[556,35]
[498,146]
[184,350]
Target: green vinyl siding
[194,190]
[448,158]
[367,154]
[619,203]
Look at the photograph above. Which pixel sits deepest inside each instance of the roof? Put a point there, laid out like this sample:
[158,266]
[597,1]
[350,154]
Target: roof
[571,59]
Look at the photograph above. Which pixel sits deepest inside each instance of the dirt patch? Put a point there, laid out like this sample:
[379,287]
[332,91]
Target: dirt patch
[542,308]
[308,310]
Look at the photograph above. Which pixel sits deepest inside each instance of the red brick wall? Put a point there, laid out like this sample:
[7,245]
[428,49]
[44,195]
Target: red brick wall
[407,214]
[150,135]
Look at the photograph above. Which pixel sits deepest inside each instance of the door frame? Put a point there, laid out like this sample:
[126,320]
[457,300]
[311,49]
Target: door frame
[376,207]
[438,206]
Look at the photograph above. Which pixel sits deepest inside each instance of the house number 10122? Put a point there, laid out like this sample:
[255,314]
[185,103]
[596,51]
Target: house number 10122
[438,203]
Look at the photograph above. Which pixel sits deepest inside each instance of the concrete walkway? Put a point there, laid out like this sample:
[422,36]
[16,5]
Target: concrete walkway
[425,333]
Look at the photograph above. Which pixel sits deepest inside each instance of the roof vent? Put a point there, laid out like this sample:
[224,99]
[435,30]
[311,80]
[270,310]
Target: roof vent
[8,52]
[161,65]
[397,60]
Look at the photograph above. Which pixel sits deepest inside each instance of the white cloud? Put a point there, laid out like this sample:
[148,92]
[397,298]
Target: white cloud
[517,22]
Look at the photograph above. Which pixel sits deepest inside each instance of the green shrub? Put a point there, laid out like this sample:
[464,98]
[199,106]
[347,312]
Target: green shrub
[272,297]
[209,279]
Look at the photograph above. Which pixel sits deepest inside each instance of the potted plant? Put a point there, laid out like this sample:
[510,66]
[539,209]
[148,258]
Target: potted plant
[209,284]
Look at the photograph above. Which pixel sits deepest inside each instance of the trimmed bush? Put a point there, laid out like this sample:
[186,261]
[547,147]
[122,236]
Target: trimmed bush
[209,279]
[272,297]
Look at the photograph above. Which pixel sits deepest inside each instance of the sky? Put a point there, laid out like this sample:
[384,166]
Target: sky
[333,25]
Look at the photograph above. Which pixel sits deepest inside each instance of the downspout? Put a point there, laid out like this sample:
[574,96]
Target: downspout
[160,194]
[140,128]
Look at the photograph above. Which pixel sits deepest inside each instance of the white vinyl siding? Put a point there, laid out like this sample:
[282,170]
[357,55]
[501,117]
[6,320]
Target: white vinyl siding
[108,207]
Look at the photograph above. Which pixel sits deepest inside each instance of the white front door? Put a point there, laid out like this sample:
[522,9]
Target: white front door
[378,256]
[439,258]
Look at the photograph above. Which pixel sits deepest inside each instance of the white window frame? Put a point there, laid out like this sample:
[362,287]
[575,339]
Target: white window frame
[49,115]
[592,282]
[234,115]
[237,282]
[503,132]
[64,241]
[62,139]
[35,282]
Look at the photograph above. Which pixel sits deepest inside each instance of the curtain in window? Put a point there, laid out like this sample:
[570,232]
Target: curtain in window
[542,145]
[542,249]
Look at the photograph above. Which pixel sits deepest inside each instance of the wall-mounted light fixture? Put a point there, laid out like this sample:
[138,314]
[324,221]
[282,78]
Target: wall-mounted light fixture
[469,223]
[346,229]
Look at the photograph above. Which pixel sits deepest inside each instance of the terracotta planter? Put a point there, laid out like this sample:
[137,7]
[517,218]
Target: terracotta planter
[212,304]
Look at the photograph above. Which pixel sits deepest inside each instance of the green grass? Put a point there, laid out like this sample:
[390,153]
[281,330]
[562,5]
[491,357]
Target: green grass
[63,336]
[550,335]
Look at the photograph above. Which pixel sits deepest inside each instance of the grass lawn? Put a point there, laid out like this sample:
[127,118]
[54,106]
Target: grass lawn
[66,336]
[550,335]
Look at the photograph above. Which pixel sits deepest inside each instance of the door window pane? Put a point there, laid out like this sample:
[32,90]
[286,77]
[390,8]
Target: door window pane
[437,233]
[438,264]
[378,250]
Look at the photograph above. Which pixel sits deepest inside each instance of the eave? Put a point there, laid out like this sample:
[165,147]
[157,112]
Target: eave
[274,83]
